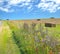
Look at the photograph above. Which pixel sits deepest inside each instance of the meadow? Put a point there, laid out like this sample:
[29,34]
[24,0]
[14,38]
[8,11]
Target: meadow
[20,37]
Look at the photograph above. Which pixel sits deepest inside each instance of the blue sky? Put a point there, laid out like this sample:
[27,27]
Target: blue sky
[29,9]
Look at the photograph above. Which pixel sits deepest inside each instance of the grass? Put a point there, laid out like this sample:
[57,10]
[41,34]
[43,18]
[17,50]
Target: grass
[17,39]
[6,42]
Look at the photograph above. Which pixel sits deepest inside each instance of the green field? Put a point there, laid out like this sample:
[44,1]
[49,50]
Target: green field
[28,38]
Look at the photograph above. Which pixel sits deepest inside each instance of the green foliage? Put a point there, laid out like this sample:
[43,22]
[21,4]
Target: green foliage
[31,38]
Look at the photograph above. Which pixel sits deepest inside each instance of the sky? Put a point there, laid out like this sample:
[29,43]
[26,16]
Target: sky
[29,9]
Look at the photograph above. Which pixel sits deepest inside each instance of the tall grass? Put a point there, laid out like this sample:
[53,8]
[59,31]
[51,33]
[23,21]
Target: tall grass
[34,38]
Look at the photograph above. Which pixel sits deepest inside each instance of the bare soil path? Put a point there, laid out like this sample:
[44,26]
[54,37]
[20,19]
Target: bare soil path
[0,26]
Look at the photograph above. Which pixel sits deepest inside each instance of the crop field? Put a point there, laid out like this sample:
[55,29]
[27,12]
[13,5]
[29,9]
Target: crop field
[20,37]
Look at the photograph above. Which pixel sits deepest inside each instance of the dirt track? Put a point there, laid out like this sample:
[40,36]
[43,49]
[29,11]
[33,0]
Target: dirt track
[0,26]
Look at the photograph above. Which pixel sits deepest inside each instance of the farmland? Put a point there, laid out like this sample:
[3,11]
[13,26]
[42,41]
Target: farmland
[29,37]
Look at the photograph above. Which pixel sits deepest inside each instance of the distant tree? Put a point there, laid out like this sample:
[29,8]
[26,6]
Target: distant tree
[7,19]
[52,18]
[38,19]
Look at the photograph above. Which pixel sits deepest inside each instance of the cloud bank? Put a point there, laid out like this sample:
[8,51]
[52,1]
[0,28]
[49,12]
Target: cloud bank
[50,5]
[44,5]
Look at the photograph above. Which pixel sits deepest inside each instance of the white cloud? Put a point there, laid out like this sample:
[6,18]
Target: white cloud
[45,5]
[10,3]
[58,8]
[30,7]
[14,2]
[6,9]
[49,5]
[1,1]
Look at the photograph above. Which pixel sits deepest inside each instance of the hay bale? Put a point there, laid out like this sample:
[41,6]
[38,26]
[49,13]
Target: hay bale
[50,25]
